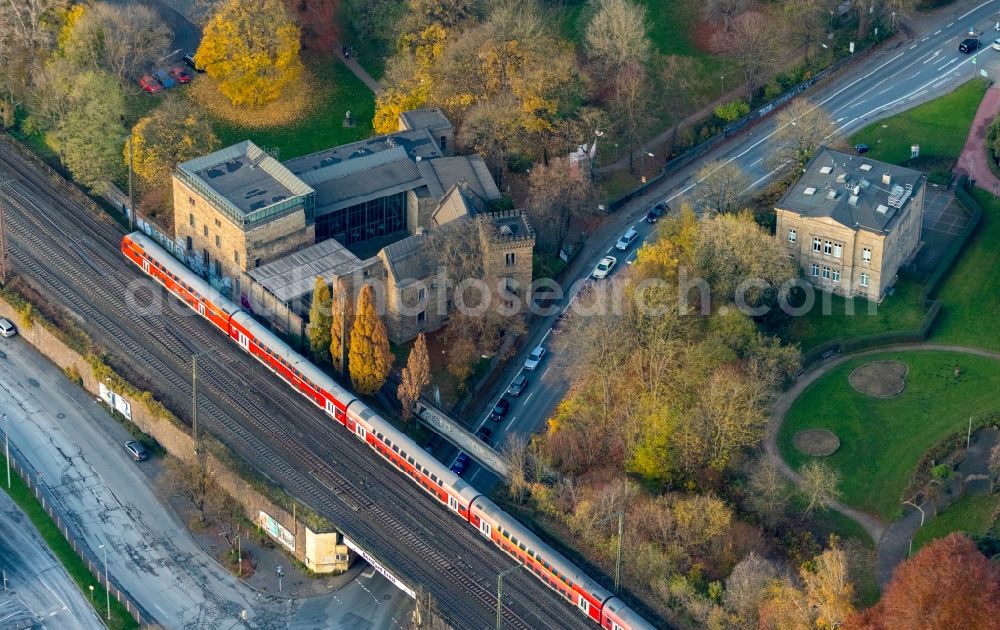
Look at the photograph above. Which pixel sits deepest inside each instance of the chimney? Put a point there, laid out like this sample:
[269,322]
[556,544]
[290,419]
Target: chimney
[886,179]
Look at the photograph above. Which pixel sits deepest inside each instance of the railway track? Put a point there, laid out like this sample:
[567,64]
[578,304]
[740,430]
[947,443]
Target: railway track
[70,255]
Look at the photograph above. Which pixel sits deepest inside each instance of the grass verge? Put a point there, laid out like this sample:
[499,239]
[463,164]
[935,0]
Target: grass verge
[62,550]
[882,440]
[940,127]
[972,514]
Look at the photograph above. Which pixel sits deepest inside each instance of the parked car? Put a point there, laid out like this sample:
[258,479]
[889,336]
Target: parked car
[534,359]
[861,148]
[137,450]
[996,44]
[149,84]
[189,62]
[604,267]
[7,328]
[518,385]
[461,463]
[656,212]
[500,409]
[165,79]
[627,239]
[180,75]
[484,434]
[969,45]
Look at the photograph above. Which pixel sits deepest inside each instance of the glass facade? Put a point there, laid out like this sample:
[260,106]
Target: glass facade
[364,221]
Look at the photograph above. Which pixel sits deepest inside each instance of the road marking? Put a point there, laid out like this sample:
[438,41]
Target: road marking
[509,423]
[949,26]
[973,10]
[754,185]
[940,83]
[913,46]
[544,373]
[937,31]
[754,163]
[165,612]
[915,75]
[527,398]
[942,67]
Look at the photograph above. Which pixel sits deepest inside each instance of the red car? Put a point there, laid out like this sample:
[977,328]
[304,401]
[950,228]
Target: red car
[149,84]
[180,75]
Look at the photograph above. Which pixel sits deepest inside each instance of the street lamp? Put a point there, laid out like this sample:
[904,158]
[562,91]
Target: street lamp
[593,152]
[722,86]
[131,204]
[6,446]
[500,577]
[107,581]
[621,535]
[642,163]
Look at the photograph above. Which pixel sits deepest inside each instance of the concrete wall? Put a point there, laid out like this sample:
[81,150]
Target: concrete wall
[317,550]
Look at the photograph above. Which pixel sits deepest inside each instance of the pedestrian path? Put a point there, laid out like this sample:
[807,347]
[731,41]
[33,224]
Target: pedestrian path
[355,67]
[891,540]
[973,160]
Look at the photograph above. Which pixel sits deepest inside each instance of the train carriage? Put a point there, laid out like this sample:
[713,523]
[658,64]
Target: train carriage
[394,446]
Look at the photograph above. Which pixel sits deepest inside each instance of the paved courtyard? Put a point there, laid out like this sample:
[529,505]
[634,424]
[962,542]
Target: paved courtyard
[944,220]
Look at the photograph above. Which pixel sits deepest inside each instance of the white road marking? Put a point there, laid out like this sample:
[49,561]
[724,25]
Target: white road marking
[942,67]
[949,26]
[527,398]
[937,31]
[973,10]
[544,373]
[165,612]
[913,46]
[914,76]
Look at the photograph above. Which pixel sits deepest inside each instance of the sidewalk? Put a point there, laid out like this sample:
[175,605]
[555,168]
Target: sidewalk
[355,67]
[973,161]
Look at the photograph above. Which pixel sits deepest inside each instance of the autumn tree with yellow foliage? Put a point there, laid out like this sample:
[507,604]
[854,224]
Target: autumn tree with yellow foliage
[340,324]
[251,47]
[369,359]
[319,321]
[174,132]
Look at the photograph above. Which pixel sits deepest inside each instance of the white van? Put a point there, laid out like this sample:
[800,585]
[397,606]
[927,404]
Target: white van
[627,239]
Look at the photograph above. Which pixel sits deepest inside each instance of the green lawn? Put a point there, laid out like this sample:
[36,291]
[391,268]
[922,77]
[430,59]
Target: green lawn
[971,514]
[321,128]
[901,311]
[940,127]
[971,292]
[883,439]
[77,570]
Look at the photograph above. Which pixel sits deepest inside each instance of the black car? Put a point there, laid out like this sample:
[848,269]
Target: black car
[500,409]
[189,61]
[969,45]
[656,212]
[484,434]
[861,148]
[518,384]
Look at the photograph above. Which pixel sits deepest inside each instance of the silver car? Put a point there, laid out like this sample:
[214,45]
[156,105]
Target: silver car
[7,328]
[534,359]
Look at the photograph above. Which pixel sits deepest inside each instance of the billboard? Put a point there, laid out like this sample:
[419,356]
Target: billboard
[115,401]
[277,531]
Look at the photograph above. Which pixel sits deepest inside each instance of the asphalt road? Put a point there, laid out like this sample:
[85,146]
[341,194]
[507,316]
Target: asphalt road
[39,593]
[77,448]
[887,82]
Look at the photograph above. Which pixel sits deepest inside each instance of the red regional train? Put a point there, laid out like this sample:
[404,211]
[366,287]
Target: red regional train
[400,451]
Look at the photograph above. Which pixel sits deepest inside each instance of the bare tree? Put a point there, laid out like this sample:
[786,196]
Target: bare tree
[722,186]
[558,195]
[616,35]
[819,484]
[515,449]
[724,11]
[801,128]
[753,45]
[23,26]
[805,21]
[491,128]
[770,491]
[746,589]
[630,106]
[121,39]
[679,75]
[195,482]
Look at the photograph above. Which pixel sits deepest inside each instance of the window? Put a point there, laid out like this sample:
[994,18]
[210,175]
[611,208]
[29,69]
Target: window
[256,262]
[444,143]
[218,241]
[838,250]
[836,275]
[816,244]
[864,279]
[236,257]
[218,223]
[827,247]
[814,270]
[204,230]
[511,259]
[421,293]
[191,217]
[866,254]
[421,317]
[190,244]
[826,273]
[791,236]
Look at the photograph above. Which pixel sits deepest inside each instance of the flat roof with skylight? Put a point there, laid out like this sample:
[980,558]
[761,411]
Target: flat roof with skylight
[854,191]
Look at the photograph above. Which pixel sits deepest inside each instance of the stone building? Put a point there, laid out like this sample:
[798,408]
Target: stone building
[851,222]
[264,229]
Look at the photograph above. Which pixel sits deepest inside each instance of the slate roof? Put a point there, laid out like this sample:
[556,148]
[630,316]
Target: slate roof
[294,275]
[854,191]
[409,260]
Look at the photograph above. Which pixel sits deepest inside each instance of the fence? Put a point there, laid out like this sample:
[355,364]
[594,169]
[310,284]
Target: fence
[949,258]
[79,548]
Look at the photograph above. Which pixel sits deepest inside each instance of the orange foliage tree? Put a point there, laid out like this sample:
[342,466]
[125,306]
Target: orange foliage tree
[948,584]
